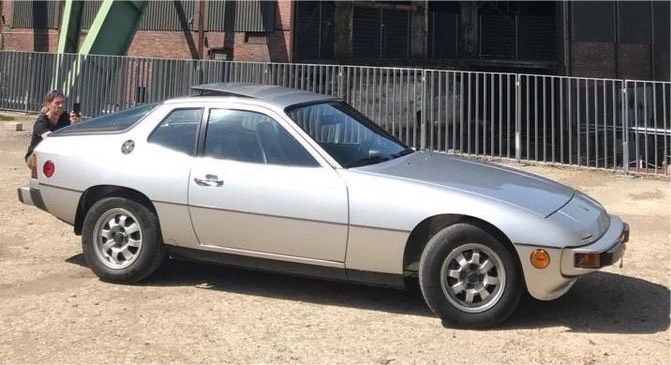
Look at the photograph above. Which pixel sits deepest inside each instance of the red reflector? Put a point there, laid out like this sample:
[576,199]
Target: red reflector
[49,168]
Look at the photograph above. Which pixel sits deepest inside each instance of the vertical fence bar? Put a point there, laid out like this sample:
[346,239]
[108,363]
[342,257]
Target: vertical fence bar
[447,110]
[518,120]
[637,156]
[667,131]
[431,117]
[527,119]
[613,118]
[535,119]
[544,113]
[587,123]
[561,119]
[625,128]
[603,126]
[569,110]
[644,130]
[655,126]
[438,111]
[454,110]
[477,113]
[492,110]
[423,113]
[552,119]
[468,118]
[578,127]
[596,124]
[510,109]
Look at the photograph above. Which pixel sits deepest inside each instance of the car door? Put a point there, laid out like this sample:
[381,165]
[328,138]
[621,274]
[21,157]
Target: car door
[256,190]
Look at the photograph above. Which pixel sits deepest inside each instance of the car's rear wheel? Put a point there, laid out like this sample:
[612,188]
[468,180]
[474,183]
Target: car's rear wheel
[469,278]
[121,240]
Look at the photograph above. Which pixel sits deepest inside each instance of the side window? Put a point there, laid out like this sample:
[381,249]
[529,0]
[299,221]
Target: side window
[252,137]
[178,130]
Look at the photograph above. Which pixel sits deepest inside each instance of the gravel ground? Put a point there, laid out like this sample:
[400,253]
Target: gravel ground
[55,311]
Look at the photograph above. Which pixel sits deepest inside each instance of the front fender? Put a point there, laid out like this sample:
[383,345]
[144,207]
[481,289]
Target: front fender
[384,211]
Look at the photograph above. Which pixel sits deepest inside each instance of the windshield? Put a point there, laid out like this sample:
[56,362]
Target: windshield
[347,135]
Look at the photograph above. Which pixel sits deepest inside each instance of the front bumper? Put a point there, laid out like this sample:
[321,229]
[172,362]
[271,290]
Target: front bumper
[30,195]
[608,249]
[560,275]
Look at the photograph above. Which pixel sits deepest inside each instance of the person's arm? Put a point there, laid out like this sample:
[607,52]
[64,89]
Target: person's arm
[41,128]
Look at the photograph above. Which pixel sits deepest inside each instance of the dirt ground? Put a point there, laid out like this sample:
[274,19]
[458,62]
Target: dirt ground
[53,310]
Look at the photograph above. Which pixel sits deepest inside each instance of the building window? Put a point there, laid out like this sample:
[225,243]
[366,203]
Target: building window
[381,33]
[35,14]
[314,33]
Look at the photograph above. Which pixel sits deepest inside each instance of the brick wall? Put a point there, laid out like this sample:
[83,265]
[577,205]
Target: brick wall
[164,44]
[634,61]
[23,39]
[593,59]
[274,46]
[629,61]
[7,11]
[662,63]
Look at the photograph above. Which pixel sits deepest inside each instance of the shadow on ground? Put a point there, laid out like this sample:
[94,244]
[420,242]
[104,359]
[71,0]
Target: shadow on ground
[599,302]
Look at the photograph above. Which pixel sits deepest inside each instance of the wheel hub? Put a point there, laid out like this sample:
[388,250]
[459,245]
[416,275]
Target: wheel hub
[472,277]
[119,238]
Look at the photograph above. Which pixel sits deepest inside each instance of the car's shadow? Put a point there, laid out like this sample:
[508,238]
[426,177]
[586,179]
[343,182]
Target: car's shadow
[599,302]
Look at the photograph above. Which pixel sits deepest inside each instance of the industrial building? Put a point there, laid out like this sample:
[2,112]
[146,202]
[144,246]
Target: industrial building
[608,39]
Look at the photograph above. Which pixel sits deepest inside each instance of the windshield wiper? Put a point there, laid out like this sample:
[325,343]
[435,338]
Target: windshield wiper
[379,158]
[404,152]
[369,160]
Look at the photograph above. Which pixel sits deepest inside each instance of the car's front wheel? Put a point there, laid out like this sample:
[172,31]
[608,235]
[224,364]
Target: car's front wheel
[469,278]
[121,240]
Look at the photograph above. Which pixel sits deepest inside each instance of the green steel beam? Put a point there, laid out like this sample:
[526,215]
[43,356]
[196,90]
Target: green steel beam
[113,27]
[110,33]
[68,40]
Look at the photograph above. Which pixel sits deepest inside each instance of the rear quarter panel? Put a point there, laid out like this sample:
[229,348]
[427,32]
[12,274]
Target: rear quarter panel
[85,161]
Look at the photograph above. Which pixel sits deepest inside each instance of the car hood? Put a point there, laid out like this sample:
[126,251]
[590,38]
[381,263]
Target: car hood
[527,191]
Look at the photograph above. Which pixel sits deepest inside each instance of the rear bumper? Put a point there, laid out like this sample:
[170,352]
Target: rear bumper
[30,195]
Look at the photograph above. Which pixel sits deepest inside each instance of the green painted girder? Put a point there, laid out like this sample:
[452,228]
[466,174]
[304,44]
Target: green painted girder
[68,40]
[110,33]
[113,27]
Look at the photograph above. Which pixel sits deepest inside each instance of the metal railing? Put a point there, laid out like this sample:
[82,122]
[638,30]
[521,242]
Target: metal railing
[597,123]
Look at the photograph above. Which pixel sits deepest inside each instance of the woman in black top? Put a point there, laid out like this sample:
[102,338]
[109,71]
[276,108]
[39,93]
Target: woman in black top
[53,117]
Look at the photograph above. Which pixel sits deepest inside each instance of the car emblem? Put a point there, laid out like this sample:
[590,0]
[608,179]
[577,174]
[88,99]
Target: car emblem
[127,147]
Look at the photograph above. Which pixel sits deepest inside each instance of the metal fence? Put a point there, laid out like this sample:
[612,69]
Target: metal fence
[598,123]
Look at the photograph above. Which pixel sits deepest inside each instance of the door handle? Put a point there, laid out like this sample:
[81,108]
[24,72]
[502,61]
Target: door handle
[210,180]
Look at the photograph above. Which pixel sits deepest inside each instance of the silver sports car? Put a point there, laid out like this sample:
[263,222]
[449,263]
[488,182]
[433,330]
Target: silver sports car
[285,180]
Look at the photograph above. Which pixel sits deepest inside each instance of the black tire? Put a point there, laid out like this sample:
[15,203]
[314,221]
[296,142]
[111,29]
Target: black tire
[442,254]
[145,259]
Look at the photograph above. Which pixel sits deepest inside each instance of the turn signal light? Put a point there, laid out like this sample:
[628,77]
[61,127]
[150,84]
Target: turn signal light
[540,258]
[587,260]
[49,168]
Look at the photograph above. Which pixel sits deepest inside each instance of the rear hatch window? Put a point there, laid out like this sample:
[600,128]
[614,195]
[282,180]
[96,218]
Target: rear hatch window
[108,123]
